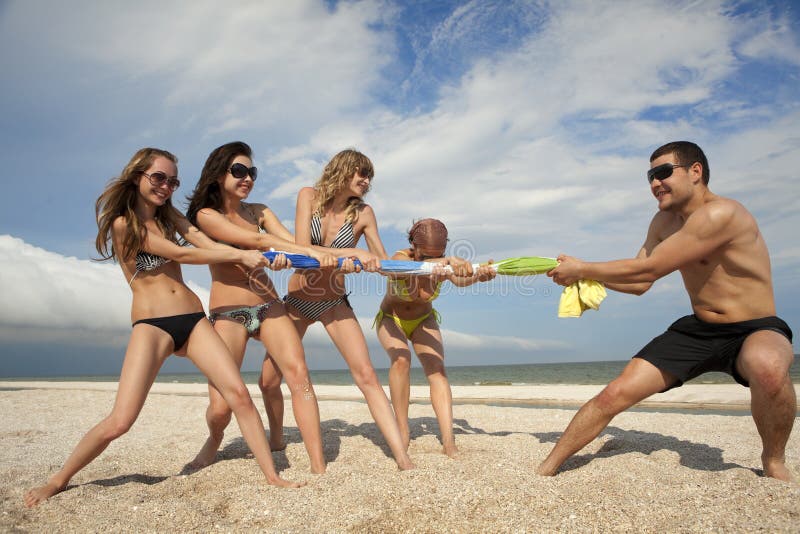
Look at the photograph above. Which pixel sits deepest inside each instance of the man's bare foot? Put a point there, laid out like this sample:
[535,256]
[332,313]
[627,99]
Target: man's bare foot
[276,442]
[206,456]
[777,469]
[450,450]
[42,493]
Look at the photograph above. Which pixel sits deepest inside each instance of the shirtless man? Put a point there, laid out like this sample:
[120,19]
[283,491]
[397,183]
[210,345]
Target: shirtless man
[720,252]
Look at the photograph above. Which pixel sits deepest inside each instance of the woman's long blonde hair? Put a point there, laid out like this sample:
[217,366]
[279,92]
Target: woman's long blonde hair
[119,199]
[336,176]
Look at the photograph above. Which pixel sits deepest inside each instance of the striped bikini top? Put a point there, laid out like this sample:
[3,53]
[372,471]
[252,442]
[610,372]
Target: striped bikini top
[345,237]
[147,262]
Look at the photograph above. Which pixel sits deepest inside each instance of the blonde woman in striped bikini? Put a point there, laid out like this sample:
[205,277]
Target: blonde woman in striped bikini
[333,215]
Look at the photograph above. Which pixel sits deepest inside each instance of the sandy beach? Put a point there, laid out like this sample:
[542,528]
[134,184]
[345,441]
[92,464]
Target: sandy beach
[691,469]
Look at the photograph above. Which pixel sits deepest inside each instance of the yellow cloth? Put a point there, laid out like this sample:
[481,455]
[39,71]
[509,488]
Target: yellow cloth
[579,297]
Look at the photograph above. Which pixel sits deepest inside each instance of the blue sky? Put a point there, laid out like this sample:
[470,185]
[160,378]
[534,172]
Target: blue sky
[525,126]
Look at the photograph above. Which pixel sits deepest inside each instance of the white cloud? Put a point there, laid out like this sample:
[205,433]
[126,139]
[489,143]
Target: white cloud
[222,67]
[55,291]
[498,154]
[773,39]
[50,297]
[462,341]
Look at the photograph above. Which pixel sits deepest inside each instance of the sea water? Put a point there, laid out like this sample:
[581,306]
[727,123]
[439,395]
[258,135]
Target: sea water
[471,375]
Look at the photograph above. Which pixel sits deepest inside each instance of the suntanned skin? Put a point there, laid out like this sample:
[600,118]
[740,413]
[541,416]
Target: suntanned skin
[426,339]
[718,248]
[233,286]
[161,293]
[340,322]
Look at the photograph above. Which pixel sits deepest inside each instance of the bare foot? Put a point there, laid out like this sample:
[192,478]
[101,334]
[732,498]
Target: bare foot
[405,463]
[450,450]
[276,442]
[545,471]
[777,469]
[206,456]
[281,483]
[42,493]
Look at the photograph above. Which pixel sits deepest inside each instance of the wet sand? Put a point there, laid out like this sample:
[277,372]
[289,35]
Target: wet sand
[659,469]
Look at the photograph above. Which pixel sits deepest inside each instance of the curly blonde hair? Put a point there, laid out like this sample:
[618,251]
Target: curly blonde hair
[336,176]
[119,199]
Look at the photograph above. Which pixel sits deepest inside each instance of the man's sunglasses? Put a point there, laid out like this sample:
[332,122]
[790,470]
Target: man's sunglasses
[240,171]
[158,178]
[662,172]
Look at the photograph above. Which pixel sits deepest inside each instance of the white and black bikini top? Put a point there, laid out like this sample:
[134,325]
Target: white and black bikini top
[345,237]
[147,262]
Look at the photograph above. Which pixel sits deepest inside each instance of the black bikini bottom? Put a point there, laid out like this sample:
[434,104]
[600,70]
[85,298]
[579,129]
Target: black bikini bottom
[177,326]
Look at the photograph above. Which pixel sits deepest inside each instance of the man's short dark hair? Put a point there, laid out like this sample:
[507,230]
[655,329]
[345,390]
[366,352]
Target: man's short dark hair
[685,153]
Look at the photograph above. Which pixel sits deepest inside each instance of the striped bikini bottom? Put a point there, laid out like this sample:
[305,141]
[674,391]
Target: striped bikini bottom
[314,309]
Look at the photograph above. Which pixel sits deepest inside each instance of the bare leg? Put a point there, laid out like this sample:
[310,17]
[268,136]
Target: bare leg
[342,326]
[764,361]
[218,414]
[394,341]
[638,380]
[282,341]
[270,385]
[430,351]
[209,354]
[147,349]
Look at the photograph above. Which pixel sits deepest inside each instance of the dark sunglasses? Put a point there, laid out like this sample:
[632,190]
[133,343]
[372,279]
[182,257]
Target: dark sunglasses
[158,178]
[240,171]
[366,173]
[662,172]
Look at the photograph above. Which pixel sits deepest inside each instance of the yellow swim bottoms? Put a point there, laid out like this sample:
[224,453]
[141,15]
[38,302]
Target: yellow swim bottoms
[406,325]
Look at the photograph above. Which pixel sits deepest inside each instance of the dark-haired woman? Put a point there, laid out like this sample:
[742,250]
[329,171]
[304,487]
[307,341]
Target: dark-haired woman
[245,305]
[135,213]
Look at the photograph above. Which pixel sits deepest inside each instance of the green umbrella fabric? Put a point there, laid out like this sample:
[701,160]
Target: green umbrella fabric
[525,265]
